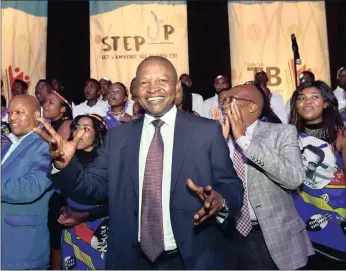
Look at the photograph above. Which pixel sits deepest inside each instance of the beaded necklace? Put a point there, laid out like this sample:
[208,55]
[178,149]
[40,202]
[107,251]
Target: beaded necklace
[316,130]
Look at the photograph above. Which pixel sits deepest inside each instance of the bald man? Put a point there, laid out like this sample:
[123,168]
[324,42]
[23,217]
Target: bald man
[221,82]
[165,183]
[269,232]
[25,190]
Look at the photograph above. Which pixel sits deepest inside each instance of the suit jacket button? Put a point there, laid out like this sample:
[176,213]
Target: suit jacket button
[134,245]
[135,212]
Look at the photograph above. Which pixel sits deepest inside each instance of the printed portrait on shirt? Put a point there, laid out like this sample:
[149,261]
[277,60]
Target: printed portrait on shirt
[319,162]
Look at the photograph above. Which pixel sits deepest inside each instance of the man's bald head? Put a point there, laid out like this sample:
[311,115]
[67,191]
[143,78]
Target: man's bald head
[250,101]
[220,83]
[158,59]
[249,92]
[22,113]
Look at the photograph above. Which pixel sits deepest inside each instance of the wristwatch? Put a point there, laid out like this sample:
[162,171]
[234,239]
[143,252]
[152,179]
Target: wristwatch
[224,207]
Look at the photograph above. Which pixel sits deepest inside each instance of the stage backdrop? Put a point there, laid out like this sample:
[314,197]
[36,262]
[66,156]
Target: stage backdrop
[123,33]
[260,39]
[24,42]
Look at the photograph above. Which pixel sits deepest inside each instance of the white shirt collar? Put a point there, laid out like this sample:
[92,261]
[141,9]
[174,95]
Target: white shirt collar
[98,103]
[168,118]
[338,88]
[249,130]
[15,139]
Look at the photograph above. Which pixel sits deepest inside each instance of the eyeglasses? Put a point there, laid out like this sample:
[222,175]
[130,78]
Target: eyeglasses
[230,100]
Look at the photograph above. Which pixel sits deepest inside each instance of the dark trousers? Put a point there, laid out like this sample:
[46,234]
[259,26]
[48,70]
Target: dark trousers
[251,252]
[322,262]
[165,261]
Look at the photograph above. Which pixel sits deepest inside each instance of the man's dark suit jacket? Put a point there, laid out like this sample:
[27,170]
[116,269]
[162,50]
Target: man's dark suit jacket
[199,152]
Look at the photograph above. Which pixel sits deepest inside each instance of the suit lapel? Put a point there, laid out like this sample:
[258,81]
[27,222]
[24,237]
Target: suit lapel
[182,136]
[252,170]
[22,145]
[135,141]
[5,146]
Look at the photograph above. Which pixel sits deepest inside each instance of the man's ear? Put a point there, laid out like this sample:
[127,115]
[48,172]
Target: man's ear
[178,86]
[63,109]
[253,108]
[37,114]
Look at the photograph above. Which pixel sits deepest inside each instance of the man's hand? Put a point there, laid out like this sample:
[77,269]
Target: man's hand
[215,114]
[237,121]
[61,151]
[212,201]
[67,219]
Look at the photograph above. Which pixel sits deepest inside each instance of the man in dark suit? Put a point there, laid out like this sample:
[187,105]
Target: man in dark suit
[145,171]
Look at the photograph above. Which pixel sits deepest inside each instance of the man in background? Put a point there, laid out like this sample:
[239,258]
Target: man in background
[91,105]
[276,100]
[19,87]
[221,82]
[339,92]
[25,190]
[197,100]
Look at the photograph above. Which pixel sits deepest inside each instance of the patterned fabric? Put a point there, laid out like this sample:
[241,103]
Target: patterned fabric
[111,121]
[274,149]
[321,199]
[84,246]
[151,218]
[243,224]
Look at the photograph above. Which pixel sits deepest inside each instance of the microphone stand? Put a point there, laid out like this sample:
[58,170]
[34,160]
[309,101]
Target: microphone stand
[296,57]
[295,70]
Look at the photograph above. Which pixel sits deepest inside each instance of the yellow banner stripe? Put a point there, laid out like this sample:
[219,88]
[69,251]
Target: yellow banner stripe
[80,255]
[322,204]
[336,186]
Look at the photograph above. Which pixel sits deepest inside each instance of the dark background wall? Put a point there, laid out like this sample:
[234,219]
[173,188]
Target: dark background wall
[68,44]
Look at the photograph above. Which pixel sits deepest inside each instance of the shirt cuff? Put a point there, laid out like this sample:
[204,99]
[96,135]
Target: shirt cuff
[221,217]
[243,142]
[54,170]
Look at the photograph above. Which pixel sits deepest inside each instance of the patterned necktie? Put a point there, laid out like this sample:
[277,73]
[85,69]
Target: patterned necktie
[243,223]
[152,242]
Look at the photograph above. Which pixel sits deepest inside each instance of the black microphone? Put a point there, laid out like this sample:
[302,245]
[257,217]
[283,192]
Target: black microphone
[295,49]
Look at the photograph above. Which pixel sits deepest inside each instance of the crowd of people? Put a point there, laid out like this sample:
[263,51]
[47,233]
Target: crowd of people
[161,179]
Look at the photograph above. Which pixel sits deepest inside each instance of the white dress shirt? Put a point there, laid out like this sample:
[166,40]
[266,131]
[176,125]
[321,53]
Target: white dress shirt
[340,96]
[99,108]
[167,132]
[288,108]
[129,107]
[244,142]
[209,104]
[278,106]
[15,143]
[198,104]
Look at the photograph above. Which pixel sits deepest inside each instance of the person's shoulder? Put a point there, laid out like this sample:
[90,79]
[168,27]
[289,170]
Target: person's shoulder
[198,120]
[197,96]
[278,128]
[78,106]
[277,97]
[125,127]
[210,100]
[39,145]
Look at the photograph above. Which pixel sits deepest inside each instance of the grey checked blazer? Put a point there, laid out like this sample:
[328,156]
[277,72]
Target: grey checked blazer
[274,168]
